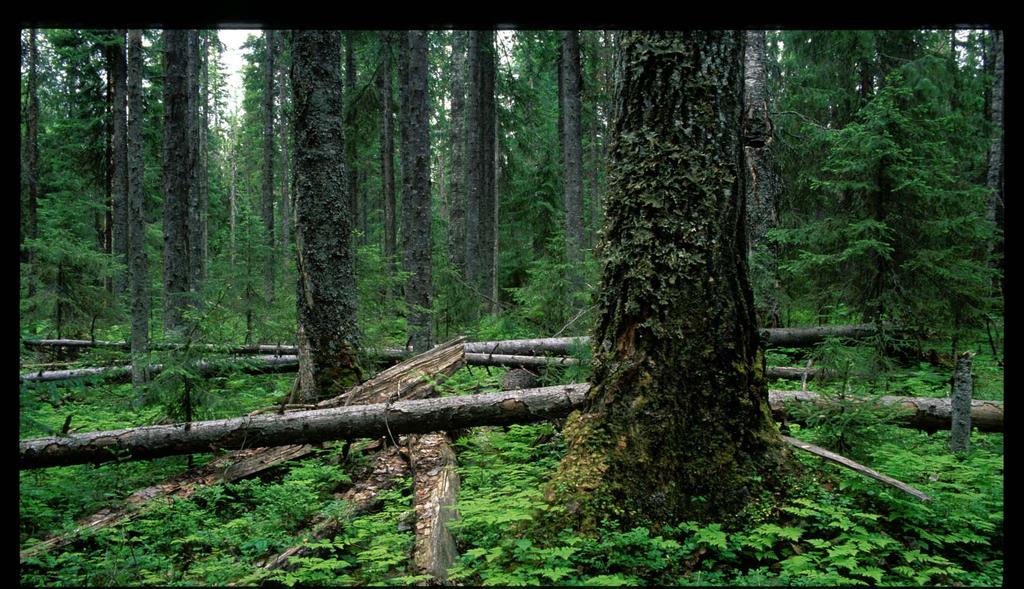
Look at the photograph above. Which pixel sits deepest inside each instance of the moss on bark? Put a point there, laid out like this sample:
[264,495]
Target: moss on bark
[677,425]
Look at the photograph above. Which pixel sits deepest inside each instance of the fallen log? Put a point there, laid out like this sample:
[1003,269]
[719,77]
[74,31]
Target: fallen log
[512,361]
[275,349]
[927,413]
[435,491]
[802,337]
[419,416]
[442,360]
[250,365]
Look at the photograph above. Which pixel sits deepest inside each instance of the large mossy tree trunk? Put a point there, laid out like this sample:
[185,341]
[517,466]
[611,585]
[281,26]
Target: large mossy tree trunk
[326,301]
[677,425]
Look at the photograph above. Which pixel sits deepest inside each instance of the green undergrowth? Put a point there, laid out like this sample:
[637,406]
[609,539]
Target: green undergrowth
[840,528]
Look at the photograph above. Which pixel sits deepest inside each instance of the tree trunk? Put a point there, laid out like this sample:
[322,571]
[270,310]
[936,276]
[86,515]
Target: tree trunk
[32,144]
[387,152]
[414,124]
[368,420]
[654,438]
[995,208]
[204,157]
[284,220]
[178,163]
[572,151]
[138,265]
[763,183]
[963,388]
[326,301]
[480,201]
[457,189]
[435,491]
[350,125]
[268,169]
[195,220]
[119,162]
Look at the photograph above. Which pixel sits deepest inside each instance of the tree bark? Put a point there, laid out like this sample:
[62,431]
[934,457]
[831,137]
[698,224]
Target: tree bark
[350,126]
[387,151]
[654,438]
[572,151]
[457,188]
[480,129]
[435,491]
[960,401]
[285,220]
[268,169]
[119,161]
[138,264]
[414,124]
[763,182]
[996,183]
[32,145]
[368,420]
[178,164]
[203,165]
[326,301]
[196,215]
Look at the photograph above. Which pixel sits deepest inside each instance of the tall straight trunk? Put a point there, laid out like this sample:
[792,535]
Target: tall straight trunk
[32,143]
[480,200]
[572,150]
[119,162]
[350,134]
[196,177]
[994,211]
[326,301]
[138,267]
[204,156]
[474,171]
[178,163]
[495,275]
[656,444]
[763,184]
[387,150]
[285,210]
[232,204]
[457,187]
[268,168]
[414,130]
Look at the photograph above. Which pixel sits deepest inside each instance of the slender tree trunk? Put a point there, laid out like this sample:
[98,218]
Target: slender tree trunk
[763,184]
[572,151]
[194,222]
[268,169]
[118,226]
[994,211]
[963,390]
[488,196]
[178,162]
[495,275]
[204,157]
[457,189]
[232,201]
[656,444]
[328,336]
[285,210]
[350,134]
[32,142]
[387,151]
[138,268]
[414,124]
[474,172]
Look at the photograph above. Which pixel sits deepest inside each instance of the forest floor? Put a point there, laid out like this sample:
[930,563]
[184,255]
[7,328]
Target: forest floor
[841,528]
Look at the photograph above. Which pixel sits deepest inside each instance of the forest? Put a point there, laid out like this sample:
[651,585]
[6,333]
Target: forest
[511,307]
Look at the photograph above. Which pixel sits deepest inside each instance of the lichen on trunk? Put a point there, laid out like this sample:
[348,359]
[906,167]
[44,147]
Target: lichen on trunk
[677,424]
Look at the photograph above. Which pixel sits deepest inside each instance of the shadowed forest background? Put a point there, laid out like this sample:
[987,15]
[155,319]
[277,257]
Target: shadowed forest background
[481,189]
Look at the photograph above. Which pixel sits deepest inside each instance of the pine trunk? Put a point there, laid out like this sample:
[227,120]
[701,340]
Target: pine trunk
[32,143]
[995,208]
[763,184]
[268,169]
[119,162]
[457,188]
[195,219]
[177,174]
[414,127]
[285,220]
[488,195]
[138,267]
[326,301]
[572,151]
[387,152]
[656,444]
[963,391]
[474,164]
[204,157]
